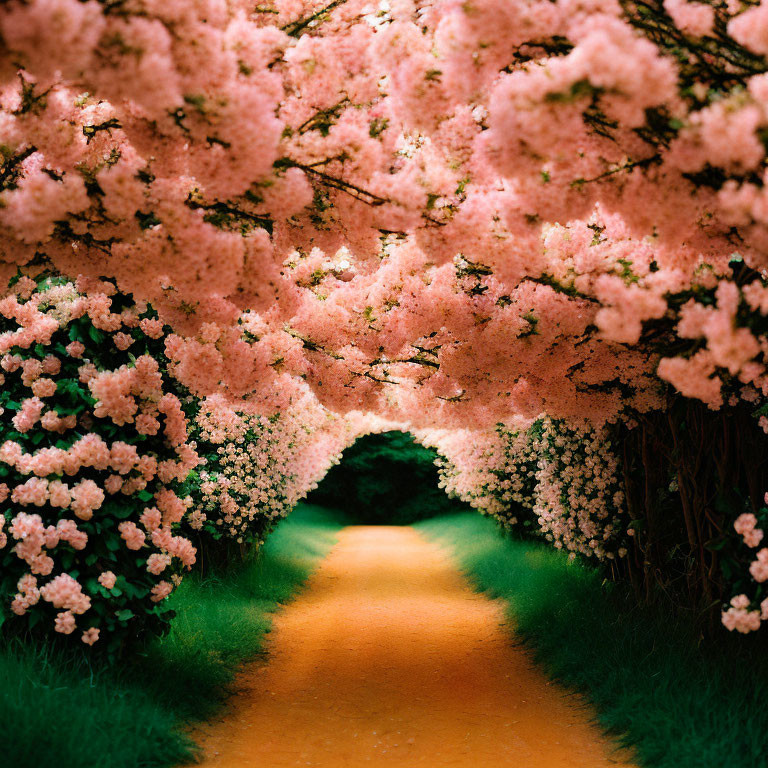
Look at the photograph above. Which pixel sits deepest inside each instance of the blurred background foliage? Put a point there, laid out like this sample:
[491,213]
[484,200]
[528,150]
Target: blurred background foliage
[386,479]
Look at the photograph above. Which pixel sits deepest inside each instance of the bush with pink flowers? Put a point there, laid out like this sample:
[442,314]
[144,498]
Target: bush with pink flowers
[548,479]
[669,500]
[93,447]
[240,490]
[579,500]
[255,468]
[494,471]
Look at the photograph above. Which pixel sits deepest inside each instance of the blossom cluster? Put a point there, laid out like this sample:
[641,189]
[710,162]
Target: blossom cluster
[547,478]
[748,607]
[495,236]
[255,468]
[579,501]
[93,444]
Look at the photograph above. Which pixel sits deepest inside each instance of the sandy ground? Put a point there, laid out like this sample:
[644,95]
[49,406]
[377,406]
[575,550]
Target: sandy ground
[389,659]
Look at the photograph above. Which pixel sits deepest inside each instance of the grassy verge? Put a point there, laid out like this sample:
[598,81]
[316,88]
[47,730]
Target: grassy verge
[676,700]
[57,712]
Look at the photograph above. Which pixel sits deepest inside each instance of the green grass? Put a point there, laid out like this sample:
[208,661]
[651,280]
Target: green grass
[58,712]
[678,701]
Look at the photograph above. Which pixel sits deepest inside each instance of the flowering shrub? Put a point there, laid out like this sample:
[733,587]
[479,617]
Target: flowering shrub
[493,471]
[578,498]
[241,490]
[93,442]
[479,468]
[256,468]
[549,479]
[745,611]
[745,562]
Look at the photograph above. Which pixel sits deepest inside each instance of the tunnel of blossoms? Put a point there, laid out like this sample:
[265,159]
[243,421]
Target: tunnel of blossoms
[532,232]
[235,238]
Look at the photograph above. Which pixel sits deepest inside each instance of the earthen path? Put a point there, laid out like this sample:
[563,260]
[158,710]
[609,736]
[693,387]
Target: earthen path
[388,658]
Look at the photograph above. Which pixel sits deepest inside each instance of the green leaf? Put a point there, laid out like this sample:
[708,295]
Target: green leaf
[97,336]
[121,512]
[34,618]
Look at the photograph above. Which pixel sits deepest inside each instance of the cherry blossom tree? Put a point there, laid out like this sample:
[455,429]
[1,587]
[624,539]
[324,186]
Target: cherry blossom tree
[448,215]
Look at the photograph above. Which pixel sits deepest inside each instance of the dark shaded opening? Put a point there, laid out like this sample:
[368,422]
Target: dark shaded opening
[386,479]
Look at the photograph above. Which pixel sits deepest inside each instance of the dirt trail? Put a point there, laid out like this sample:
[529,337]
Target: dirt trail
[389,659]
